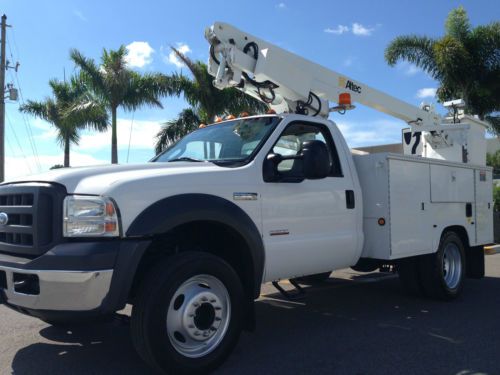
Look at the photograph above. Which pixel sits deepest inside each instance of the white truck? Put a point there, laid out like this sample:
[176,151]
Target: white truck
[189,238]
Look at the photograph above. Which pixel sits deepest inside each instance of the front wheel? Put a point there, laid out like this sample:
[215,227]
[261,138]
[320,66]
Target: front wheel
[188,314]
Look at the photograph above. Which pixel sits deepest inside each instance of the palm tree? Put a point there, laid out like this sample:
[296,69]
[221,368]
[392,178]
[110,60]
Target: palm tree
[70,109]
[465,61]
[205,99]
[118,86]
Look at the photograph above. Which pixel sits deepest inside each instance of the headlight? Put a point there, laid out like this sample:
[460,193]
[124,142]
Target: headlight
[88,216]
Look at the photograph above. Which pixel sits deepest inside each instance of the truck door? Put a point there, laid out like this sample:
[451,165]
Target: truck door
[309,226]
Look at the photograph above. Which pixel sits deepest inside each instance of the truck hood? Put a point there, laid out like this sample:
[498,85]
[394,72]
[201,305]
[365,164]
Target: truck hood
[99,179]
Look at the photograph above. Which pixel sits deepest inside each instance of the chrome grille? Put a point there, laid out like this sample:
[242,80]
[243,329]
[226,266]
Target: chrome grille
[34,222]
[19,228]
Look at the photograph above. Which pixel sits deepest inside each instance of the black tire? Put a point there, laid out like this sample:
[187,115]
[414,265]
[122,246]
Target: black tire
[313,279]
[149,313]
[409,276]
[432,270]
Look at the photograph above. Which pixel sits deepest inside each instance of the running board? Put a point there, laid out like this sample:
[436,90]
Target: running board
[299,292]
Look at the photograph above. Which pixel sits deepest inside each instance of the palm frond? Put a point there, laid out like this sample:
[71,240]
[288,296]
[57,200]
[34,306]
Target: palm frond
[36,109]
[237,102]
[89,69]
[457,24]
[194,67]
[414,49]
[173,130]
[146,89]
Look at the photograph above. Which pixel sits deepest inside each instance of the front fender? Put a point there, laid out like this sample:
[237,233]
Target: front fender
[174,211]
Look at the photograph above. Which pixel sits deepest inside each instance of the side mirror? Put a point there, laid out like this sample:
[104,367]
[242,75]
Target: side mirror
[315,160]
[270,168]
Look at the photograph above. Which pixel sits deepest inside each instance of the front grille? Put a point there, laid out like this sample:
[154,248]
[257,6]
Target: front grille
[19,229]
[34,212]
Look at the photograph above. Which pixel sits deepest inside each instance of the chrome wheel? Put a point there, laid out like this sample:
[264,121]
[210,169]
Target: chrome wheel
[452,265]
[198,316]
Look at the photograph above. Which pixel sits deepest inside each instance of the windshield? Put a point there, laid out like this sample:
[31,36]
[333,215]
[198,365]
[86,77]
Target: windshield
[230,141]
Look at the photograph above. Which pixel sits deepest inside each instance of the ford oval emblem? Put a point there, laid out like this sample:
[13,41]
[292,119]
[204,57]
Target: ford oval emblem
[4,218]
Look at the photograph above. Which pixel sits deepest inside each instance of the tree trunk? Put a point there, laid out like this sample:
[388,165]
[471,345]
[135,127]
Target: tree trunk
[114,143]
[66,152]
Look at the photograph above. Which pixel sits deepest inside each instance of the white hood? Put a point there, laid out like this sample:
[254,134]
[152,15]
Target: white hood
[99,179]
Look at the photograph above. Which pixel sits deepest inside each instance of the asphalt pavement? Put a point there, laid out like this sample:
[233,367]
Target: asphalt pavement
[352,324]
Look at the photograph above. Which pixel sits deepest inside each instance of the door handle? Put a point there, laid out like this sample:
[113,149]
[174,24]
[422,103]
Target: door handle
[349,199]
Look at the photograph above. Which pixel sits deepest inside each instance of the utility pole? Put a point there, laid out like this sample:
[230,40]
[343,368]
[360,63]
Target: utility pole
[2,98]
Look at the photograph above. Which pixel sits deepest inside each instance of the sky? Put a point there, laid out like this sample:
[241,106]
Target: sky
[347,37]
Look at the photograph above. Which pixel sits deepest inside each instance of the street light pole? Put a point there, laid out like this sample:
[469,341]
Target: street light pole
[2,98]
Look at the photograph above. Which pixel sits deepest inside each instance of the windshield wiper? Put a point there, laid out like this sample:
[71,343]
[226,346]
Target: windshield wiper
[185,158]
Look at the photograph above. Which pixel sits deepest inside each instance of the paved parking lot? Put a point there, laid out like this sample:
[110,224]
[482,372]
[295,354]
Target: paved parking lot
[353,324]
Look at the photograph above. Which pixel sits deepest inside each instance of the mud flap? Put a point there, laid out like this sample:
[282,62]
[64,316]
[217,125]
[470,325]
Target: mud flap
[474,258]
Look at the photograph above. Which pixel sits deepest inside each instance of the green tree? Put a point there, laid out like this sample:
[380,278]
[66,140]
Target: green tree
[119,86]
[493,160]
[465,62]
[496,198]
[70,109]
[206,102]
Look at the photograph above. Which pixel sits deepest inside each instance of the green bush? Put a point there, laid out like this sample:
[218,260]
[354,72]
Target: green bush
[496,197]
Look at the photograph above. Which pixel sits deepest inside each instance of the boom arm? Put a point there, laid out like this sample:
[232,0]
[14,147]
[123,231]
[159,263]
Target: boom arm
[290,83]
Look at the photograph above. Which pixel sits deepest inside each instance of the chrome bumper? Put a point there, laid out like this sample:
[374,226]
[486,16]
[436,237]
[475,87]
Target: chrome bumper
[59,290]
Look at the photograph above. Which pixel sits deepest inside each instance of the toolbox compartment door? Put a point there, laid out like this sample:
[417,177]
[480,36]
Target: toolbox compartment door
[484,206]
[451,184]
[409,207]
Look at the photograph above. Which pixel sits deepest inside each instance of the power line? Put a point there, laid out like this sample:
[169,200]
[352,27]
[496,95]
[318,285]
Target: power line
[15,44]
[130,135]
[10,147]
[12,129]
[27,124]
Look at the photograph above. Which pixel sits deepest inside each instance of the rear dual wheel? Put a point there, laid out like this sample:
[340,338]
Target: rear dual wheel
[440,275]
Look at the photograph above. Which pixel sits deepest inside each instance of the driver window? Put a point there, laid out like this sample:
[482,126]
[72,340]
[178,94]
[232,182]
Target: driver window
[290,143]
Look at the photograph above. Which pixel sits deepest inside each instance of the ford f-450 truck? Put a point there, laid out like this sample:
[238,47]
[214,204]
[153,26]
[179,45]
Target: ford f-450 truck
[189,238]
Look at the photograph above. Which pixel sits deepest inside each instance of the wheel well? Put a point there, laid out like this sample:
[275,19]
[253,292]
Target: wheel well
[208,236]
[460,231]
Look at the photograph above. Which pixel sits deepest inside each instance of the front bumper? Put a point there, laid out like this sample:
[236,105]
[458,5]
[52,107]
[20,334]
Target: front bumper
[74,278]
[56,290]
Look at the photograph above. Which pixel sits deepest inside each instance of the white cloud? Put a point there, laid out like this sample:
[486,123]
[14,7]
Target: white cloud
[357,29]
[281,5]
[407,68]
[80,15]
[143,136]
[339,30]
[360,30]
[172,57]
[411,70]
[428,92]
[377,132]
[17,166]
[348,62]
[139,54]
